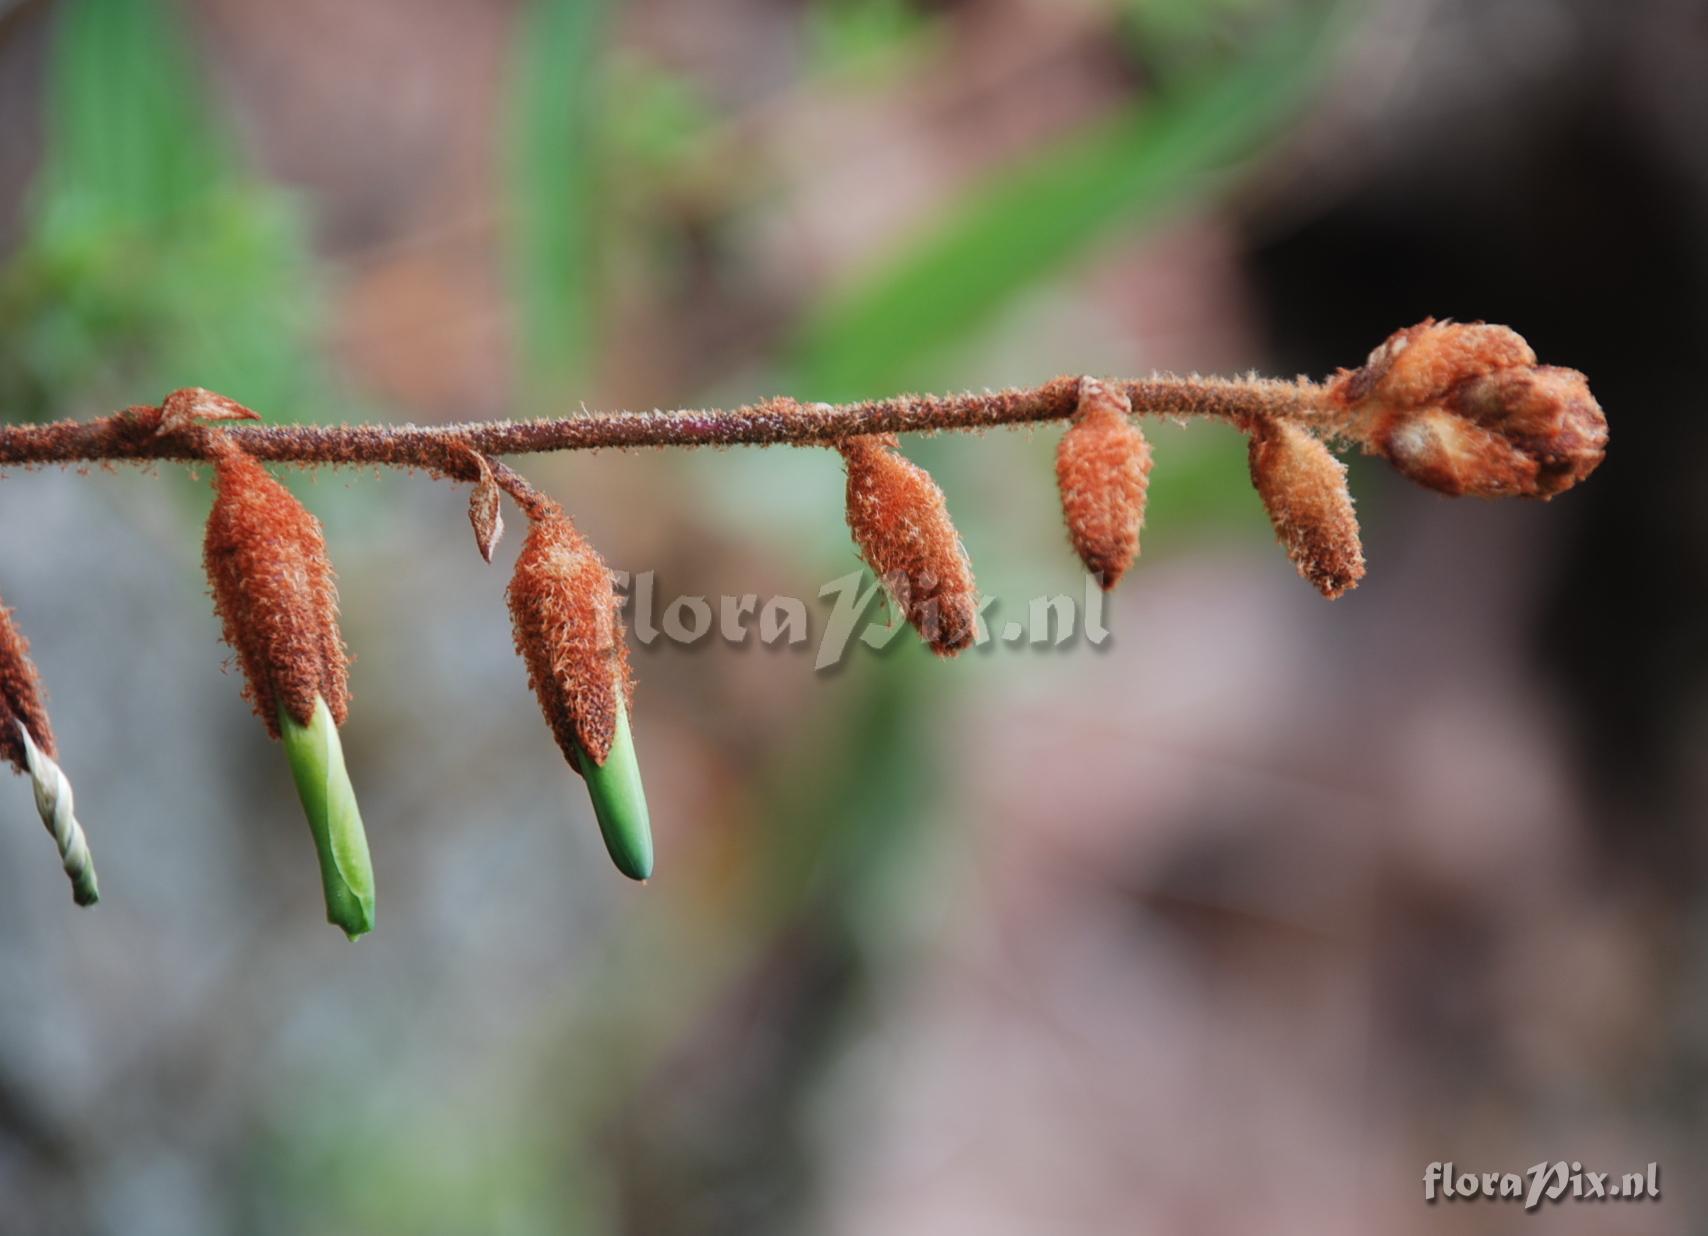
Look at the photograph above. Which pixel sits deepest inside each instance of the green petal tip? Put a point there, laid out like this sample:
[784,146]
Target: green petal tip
[619,801]
[323,784]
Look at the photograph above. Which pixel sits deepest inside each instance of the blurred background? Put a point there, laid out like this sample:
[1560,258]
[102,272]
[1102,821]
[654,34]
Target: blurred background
[1235,923]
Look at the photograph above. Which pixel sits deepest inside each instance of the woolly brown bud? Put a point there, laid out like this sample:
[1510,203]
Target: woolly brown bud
[1303,486]
[274,593]
[1465,409]
[900,521]
[1545,415]
[20,697]
[1103,467]
[563,611]
[1416,366]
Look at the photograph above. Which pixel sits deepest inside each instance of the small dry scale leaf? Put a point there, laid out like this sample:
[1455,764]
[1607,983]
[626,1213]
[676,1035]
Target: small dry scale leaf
[185,409]
[485,511]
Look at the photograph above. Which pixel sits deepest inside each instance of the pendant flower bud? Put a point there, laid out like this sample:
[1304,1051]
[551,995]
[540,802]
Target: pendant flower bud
[276,598]
[26,742]
[1464,408]
[340,842]
[1103,467]
[901,523]
[20,697]
[563,610]
[275,594]
[1303,487]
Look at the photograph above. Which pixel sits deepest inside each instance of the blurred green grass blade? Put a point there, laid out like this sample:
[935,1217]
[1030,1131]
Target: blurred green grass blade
[150,258]
[552,184]
[1025,224]
[870,785]
[346,870]
[1173,38]
[861,36]
[127,134]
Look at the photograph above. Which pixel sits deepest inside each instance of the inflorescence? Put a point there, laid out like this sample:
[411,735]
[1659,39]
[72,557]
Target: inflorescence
[1462,408]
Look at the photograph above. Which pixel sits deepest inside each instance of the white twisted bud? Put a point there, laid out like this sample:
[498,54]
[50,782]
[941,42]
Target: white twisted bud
[54,802]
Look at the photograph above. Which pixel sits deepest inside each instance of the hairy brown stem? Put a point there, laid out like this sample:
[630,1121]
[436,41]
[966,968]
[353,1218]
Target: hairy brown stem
[533,503]
[1463,408]
[137,433]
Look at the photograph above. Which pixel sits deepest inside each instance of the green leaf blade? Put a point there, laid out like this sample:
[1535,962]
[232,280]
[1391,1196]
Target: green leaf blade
[552,176]
[1028,221]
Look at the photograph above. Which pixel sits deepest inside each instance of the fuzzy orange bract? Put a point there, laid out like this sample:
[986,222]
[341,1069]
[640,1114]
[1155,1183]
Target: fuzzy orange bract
[563,611]
[275,595]
[1546,416]
[1465,409]
[1418,365]
[901,523]
[1303,487]
[20,696]
[1103,467]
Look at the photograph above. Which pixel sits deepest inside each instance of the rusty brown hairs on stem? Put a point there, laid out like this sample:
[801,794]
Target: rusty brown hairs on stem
[563,611]
[1103,467]
[900,521]
[274,593]
[20,696]
[1545,417]
[1462,408]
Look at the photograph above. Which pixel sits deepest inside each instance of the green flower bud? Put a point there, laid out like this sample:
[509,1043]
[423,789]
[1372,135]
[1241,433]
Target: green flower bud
[346,871]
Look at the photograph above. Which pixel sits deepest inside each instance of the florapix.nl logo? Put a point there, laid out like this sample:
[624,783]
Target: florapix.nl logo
[852,611]
[1541,1182]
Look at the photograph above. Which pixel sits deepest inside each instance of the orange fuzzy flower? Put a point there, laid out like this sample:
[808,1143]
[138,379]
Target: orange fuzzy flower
[274,593]
[1464,408]
[900,521]
[563,611]
[1303,487]
[20,697]
[1103,467]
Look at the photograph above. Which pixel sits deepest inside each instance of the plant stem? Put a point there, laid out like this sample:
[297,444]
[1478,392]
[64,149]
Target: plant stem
[136,434]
